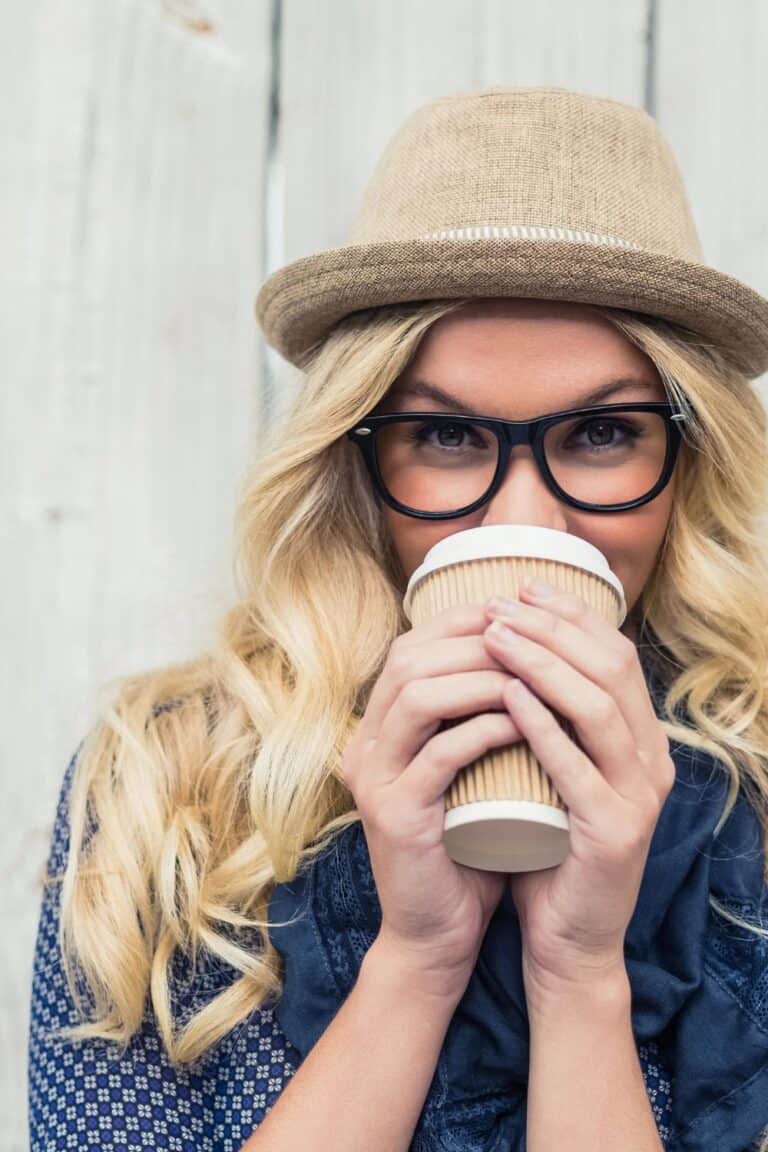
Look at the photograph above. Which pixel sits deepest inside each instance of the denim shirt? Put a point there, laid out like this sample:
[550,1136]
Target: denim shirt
[699,984]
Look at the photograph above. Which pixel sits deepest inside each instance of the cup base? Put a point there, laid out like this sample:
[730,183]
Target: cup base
[507,835]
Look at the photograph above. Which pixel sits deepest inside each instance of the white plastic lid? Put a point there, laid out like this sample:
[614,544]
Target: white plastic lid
[507,835]
[516,540]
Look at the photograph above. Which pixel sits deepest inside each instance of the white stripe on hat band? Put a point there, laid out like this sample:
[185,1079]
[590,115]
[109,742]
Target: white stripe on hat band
[529,232]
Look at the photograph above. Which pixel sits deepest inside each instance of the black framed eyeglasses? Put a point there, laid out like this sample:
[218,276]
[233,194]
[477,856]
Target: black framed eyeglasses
[438,465]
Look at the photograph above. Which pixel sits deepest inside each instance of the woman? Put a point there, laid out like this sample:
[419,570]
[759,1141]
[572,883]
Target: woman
[255,899]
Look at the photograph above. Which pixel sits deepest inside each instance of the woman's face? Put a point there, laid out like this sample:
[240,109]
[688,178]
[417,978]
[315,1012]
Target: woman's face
[518,359]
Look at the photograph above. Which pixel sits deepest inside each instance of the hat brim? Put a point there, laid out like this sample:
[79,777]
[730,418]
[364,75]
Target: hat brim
[299,304]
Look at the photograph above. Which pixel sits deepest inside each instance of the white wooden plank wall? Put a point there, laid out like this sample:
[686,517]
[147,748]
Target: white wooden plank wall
[147,190]
[132,173]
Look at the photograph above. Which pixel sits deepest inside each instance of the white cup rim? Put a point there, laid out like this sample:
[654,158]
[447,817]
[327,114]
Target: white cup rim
[527,540]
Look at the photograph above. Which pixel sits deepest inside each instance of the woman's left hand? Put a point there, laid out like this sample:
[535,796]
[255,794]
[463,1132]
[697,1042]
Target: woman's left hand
[574,917]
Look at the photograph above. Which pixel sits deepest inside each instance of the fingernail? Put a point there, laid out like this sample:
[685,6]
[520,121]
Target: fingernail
[502,633]
[539,588]
[502,604]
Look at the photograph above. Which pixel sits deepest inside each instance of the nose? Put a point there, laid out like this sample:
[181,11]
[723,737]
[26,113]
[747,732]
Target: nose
[524,496]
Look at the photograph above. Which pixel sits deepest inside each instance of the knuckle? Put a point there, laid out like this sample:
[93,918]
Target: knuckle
[669,773]
[651,805]
[601,709]
[412,698]
[378,823]
[637,838]
[574,608]
[616,667]
[440,752]
[346,768]
[396,822]
[350,759]
[350,781]
[628,658]
[629,645]
[625,843]
[400,662]
[401,643]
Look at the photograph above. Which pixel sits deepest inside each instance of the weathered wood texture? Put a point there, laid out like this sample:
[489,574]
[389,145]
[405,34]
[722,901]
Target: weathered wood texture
[149,183]
[132,172]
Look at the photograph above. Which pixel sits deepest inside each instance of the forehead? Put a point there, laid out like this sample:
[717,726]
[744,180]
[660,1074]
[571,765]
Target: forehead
[540,331]
[546,353]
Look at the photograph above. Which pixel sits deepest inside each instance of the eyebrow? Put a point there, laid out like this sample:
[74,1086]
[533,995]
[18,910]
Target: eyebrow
[433,392]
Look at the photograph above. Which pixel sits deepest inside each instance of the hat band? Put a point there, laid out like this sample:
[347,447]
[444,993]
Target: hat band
[529,232]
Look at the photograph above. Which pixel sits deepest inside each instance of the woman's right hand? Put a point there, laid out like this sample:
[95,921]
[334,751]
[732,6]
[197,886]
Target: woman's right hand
[434,911]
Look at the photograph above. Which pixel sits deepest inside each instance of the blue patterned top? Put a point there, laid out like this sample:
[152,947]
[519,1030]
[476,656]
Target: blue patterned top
[84,1095]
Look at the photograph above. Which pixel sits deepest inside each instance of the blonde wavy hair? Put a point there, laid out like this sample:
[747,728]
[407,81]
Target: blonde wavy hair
[183,817]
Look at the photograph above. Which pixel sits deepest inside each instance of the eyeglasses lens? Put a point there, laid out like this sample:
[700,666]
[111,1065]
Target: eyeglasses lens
[447,464]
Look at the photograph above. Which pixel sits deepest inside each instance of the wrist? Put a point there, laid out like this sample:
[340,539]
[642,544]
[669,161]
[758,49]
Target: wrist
[410,974]
[602,987]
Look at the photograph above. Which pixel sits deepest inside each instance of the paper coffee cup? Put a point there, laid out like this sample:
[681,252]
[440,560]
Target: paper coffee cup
[502,811]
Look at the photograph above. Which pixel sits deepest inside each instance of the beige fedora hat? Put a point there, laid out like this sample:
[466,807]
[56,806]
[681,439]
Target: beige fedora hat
[533,191]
